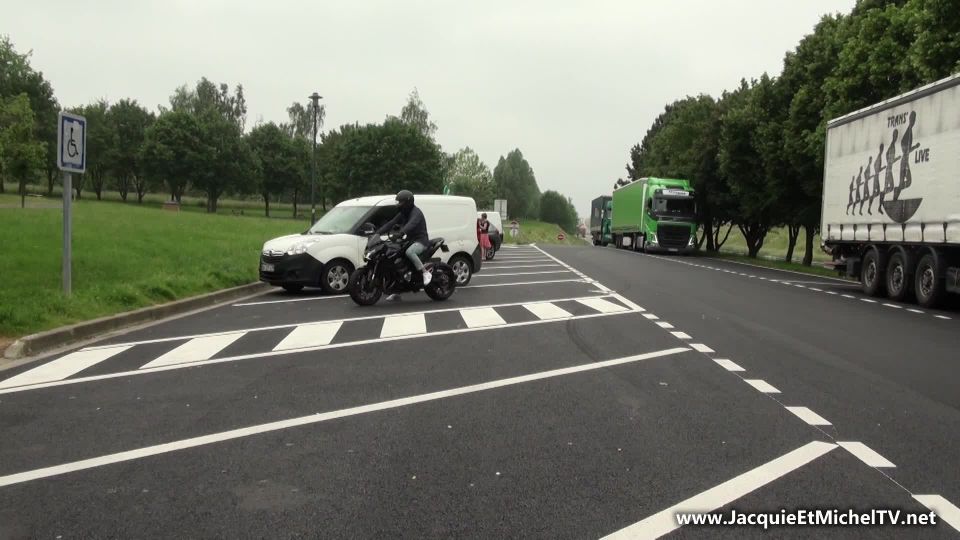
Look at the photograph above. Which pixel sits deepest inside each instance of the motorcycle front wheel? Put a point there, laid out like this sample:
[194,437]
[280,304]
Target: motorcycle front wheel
[364,288]
[443,284]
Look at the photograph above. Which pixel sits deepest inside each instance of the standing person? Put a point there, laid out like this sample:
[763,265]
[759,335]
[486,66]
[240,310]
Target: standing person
[412,223]
[483,235]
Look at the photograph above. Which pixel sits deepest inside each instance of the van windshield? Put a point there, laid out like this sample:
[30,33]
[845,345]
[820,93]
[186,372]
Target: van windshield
[340,220]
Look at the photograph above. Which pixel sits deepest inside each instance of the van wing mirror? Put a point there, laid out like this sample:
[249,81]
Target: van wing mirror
[368,228]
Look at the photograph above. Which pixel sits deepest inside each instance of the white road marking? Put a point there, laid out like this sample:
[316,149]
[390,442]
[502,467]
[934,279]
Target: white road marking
[547,311]
[942,317]
[196,349]
[479,317]
[482,274]
[403,325]
[728,365]
[511,267]
[310,335]
[894,306]
[943,508]
[513,284]
[700,347]
[627,302]
[662,324]
[665,521]
[848,296]
[238,358]
[651,316]
[816,289]
[681,335]
[911,310]
[64,367]
[809,416]
[140,453]
[866,454]
[762,386]
[289,300]
[869,300]
[601,305]
[830,292]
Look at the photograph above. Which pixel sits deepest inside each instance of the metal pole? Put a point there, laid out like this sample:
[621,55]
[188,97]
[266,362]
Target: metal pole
[67,230]
[315,98]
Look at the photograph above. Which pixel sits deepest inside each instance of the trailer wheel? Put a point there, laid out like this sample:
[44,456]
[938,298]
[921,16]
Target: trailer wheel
[872,273]
[929,282]
[899,280]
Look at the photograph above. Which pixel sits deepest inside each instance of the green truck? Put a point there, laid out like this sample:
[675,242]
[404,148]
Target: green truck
[600,220]
[655,215]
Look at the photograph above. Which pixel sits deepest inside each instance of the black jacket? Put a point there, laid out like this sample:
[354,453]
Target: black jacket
[412,223]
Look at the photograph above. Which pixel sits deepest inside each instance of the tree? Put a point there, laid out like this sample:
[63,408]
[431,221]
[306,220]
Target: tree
[301,128]
[280,158]
[470,177]
[226,164]
[172,151]
[207,97]
[18,77]
[129,122]
[415,114]
[21,154]
[515,181]
[99,141]
[555,208]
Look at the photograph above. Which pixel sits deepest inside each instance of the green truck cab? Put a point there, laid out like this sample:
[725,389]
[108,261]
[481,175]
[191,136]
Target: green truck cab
[600,209]
[655,215]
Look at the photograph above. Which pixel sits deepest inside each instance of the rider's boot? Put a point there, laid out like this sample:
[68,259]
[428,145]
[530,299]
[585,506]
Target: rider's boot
[427,276]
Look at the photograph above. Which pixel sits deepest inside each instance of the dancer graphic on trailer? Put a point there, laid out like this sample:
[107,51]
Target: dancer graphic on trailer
[877,168]
[906,147]
[858,199]
[892,158]
[866,187]
[853,182]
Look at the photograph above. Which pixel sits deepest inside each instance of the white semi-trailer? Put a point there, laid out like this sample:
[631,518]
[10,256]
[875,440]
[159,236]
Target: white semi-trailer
[891,194]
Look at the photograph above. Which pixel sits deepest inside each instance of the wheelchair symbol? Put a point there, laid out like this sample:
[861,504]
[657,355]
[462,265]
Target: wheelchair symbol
[72,145]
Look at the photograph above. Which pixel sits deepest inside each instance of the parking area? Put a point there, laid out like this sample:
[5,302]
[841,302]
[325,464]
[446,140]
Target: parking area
[536,401]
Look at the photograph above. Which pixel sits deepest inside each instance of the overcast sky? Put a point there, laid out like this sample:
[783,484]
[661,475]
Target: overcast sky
[572,84]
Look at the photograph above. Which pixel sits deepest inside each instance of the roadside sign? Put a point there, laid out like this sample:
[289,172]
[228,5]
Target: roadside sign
[72,143]
[560,236]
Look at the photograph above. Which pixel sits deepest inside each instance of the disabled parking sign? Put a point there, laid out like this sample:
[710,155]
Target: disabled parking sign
[72,143]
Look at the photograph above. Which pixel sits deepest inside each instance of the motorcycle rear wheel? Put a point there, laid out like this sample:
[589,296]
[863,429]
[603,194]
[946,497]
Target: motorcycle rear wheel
[363,287]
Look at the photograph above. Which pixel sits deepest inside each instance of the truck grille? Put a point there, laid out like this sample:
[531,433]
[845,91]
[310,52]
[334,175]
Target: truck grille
[673,236]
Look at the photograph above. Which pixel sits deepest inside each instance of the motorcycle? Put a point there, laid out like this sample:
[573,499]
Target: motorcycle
[387,270]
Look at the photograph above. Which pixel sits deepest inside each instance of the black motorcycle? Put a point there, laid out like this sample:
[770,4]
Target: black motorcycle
[387,270]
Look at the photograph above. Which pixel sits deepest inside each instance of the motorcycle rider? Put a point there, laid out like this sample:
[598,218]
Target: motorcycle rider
[411,221]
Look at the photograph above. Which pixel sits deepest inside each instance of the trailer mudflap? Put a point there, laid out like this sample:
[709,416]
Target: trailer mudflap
[953,279]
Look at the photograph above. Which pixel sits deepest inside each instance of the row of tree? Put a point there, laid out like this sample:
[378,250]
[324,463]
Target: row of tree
[755,154]
[199,145]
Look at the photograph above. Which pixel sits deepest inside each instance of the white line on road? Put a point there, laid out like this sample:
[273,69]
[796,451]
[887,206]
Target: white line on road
[728,365]
[665,521]
[195,350]
[662,324]
[911,310]
[310,335]
[762,386]
[514,284]
[403,325]
[481,274]
[291,351]
[946,510]
[894,306]
[601,305]
[511,267]
[289,300]
[548,311]
[64,367]
[809,416]
[866,454]
[480,317]
[848,296]
[681,335]
[869,300]
[140,453]
[944,317]
[700,347]
[651,316]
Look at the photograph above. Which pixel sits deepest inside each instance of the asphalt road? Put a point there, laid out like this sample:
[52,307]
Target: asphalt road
[566,393]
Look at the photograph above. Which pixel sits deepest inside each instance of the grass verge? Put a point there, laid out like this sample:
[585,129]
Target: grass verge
[541,233]
[815,270]
[125,256]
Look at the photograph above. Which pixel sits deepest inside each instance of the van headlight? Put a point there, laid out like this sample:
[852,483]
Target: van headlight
[298,249]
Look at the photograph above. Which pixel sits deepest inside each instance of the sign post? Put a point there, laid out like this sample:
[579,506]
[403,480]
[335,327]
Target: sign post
[71,158]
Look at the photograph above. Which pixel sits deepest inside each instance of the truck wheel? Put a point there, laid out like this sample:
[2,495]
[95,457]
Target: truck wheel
[929,282]
[900,277]
[872,274]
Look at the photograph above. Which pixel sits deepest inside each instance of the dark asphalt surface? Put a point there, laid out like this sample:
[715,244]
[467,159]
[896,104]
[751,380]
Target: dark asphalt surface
[579,455]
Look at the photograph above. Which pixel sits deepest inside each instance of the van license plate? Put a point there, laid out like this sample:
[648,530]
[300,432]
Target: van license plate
[266,267]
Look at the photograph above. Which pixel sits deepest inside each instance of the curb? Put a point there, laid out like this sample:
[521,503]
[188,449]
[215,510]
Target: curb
[59,337]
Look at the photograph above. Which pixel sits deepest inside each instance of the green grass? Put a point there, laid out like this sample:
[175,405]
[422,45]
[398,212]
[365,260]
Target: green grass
[125,256]
[775,245]
[541,233]
[796,267]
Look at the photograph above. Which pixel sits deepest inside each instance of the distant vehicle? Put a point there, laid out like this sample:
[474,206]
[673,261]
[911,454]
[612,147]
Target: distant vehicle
[655,215]
[496,231]
[600,220]
[891,194]
[327,254]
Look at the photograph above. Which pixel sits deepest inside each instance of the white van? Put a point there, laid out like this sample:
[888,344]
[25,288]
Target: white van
[327,253]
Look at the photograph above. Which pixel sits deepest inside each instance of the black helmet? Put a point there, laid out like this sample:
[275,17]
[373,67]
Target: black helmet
[405,199]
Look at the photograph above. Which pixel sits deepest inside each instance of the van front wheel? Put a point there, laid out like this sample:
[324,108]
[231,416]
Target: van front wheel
[462,269]
[335,276]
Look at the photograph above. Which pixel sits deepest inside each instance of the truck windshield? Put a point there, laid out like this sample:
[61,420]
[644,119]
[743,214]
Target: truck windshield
[340,220]
[675,208]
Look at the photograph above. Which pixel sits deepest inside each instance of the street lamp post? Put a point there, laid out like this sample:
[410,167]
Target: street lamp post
[315,97]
